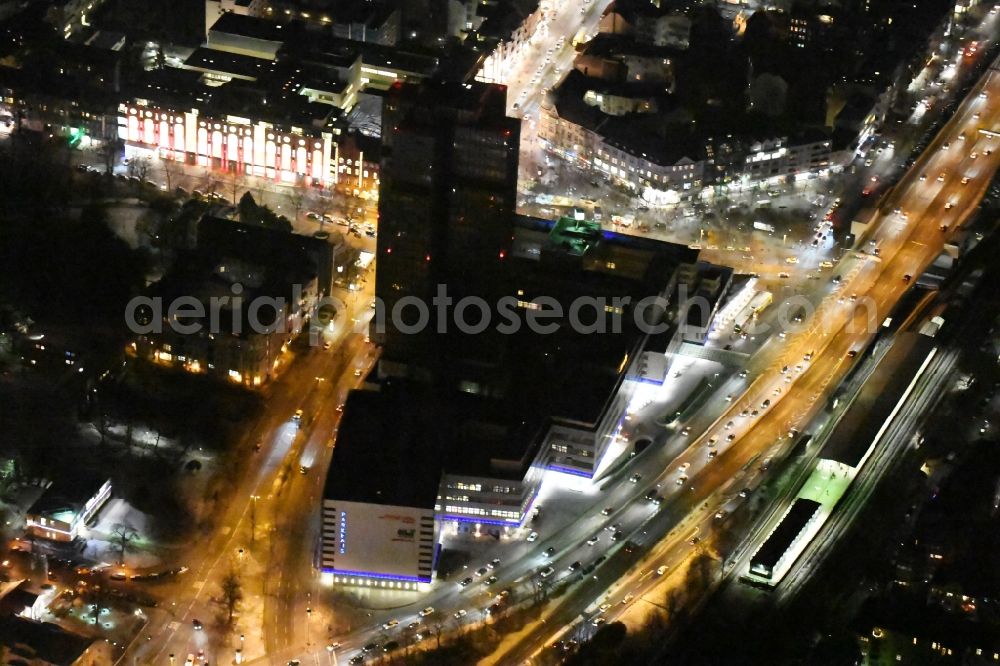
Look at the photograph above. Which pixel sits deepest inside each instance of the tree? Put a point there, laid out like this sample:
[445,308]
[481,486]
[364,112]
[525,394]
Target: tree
[235,180]
[232,594]
[109,152]
[171,168]
[296,197]
[122,536]
[138,167]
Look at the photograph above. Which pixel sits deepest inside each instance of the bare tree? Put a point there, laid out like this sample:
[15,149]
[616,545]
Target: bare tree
[236,179]
[109,154]
[232,594]
[122,536]
[296,197]
[171,168]
[139,167]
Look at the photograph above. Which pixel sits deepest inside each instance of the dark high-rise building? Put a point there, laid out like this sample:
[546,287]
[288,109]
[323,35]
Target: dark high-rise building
[447,199]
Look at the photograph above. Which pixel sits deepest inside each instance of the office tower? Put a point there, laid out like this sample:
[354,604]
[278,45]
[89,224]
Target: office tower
[447,199]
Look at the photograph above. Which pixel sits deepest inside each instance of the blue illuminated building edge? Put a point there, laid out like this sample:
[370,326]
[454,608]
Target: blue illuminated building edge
[380,576]
[569,470]
[481,521]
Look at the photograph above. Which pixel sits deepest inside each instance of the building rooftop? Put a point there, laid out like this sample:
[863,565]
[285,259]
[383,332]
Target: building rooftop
[784,534]
[387,452]
[40,642]
[234,64]
[856,431]
[68,495]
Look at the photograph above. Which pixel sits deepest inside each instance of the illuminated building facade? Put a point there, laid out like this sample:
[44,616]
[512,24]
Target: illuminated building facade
[231,143]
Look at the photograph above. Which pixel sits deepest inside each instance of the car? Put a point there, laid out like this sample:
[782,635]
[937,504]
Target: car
[190,660]
[694,540]
[371,647]
[465,582]
[598,621]
[923,177]
[948,205]
[386,626]
[712,441]
[852,353]
[613,527]
[574,567]
[489,581]
[729,397]
[745,493]
[743,374]
[298,415]
[784,276]
[777,390]
[682,479]
[635,478]
[427,611]
[413,626]
[357,372]
[651,495]
[965,180]
[720,514]
[532,536]
[685,431]
[550,551]
[617,535]
[791,260]
[594,539]
[326,345]
[945,146]
[661,570]
[729,425]
[459,614]
[626,599]
[941,176]
[294,662]
[943,227]
[765,404]
[730,437]
[684,467]
[492,564]
[607,511]
[481,571]
[835,279]
[198,626]
[303,469]
[546,572]
[357,659]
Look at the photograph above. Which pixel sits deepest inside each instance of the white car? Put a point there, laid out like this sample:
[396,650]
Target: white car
[532,536]
[427,611]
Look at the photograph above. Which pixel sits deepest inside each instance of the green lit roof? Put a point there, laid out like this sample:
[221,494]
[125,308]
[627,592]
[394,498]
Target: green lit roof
[576,236]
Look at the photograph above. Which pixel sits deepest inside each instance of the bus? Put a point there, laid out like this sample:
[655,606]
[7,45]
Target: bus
[749,314]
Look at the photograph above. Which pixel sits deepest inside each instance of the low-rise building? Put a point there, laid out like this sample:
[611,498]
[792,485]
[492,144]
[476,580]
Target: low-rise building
[30,643]
[246,291]
[64,509]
